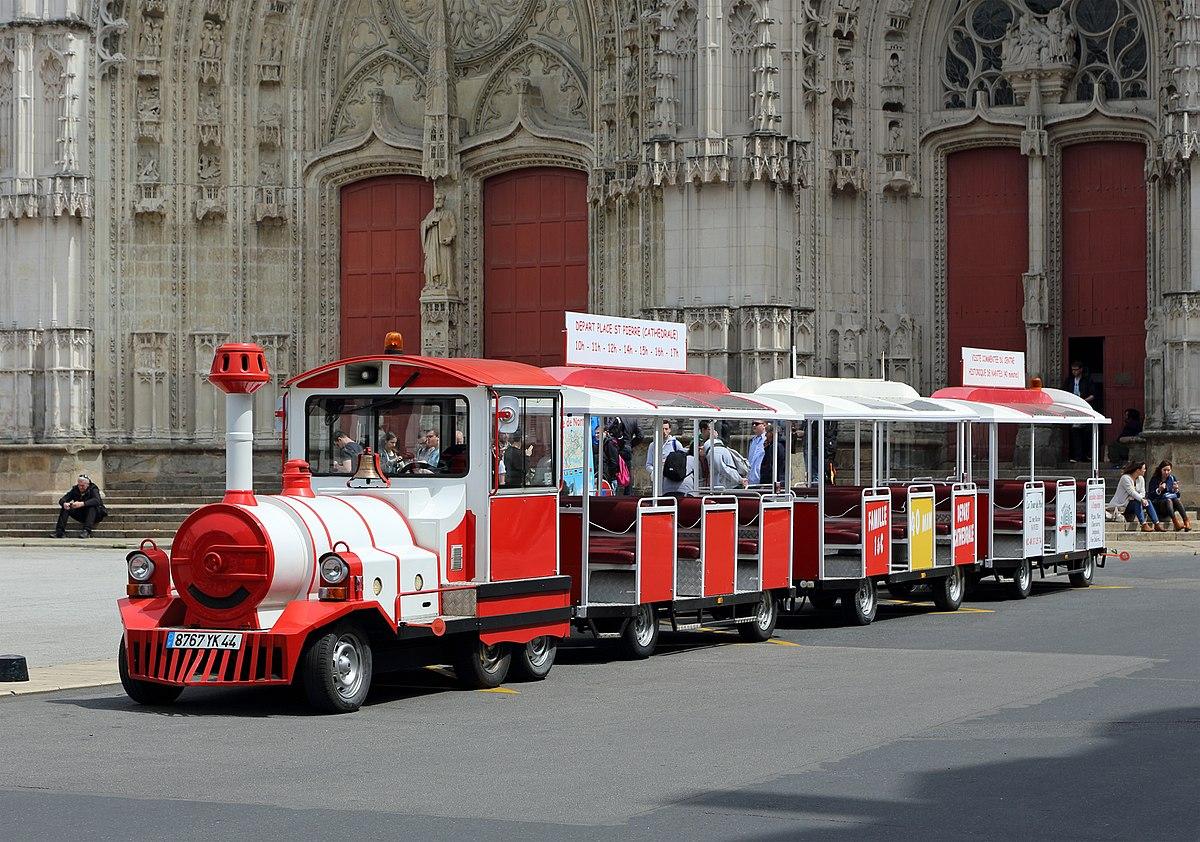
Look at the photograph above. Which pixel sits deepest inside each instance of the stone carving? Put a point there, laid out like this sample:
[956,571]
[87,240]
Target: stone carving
[148,170]
[211,48]
[109,27]
[542,68]
[270,62]
[209,168]
[766,99]
[438,233]
[7,139]
[208,119]
[1030,43]
[150,38]
[474,29]
[441,104]
[270,127]
[843,130]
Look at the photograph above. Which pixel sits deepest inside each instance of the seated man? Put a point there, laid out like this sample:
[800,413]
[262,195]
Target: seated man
[82,502]
[346,453]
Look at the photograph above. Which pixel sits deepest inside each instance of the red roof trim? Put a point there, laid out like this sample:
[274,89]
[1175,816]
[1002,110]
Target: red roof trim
[468,371]
[640,379]
[996,395]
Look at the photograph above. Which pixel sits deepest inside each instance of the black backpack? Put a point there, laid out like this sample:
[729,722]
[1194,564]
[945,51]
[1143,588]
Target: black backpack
[675,466]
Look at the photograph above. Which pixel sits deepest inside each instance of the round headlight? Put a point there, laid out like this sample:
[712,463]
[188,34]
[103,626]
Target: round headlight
[334,570]
[141,568]
[419,582]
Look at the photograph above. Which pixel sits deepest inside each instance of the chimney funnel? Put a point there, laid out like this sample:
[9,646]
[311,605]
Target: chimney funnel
[239,369]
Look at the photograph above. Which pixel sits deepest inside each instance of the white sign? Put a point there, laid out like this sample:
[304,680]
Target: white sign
[1095,514]
[625,343]
[982,367]
[1064,518]
[1034,531]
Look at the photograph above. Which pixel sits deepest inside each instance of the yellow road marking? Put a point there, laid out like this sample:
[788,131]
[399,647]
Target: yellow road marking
[779,642]
[506,690]
[1113,587]
[966,610]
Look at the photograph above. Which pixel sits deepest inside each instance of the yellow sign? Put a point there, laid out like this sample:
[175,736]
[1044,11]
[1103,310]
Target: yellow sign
[920,533]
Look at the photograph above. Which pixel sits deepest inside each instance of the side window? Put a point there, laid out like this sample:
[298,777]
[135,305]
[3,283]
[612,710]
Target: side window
[526,456]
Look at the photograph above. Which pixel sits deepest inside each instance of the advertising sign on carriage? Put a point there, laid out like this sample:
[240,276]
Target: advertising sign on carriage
[1064,518]
[1095,514]
[920,532]
[985,367]
[1034,521]
[877,536]
[962,527]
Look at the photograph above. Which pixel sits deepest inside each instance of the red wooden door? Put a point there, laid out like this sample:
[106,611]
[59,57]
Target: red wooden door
[987,251]
[535,256]
[382,261]
[1104,263]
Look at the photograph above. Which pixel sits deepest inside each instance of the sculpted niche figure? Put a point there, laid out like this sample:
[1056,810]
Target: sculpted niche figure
[438,231]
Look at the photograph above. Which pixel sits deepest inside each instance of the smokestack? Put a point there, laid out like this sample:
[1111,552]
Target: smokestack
[239,369]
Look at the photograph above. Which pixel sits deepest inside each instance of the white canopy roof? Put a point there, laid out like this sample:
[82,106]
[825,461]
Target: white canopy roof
[592,401]
[861,399]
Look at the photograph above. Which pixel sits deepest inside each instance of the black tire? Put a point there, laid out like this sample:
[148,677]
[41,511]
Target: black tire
[1082,577]
[766,613]
[1022,580]
[479,666]
[859,606]
[823,600]
[336,669]
[532,661]
[901,590]
[948,591]
[639,636]
[144,692]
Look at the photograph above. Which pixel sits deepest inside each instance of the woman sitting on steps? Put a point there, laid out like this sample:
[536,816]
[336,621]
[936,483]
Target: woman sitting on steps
[1131,498]
[1164,494]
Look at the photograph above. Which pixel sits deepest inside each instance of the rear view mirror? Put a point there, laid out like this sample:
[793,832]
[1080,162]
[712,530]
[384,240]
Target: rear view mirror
[508,414]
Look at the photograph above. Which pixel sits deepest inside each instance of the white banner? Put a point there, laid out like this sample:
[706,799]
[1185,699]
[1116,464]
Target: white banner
[1064,518]
[982,367]
[625,343]
[1035,520]
[1095,514]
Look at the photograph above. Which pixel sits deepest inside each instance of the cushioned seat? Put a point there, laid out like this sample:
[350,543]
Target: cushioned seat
[747,546]
[612,556]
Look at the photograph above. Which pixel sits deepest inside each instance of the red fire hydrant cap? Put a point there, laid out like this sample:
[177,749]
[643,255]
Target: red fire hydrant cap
[239,367]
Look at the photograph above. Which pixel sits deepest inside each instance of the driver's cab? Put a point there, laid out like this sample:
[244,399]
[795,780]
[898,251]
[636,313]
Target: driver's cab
[466,449]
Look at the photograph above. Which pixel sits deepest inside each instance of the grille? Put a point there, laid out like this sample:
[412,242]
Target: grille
[456,557]
[260,660]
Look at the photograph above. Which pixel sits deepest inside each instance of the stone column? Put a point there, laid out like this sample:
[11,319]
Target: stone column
[1039,356]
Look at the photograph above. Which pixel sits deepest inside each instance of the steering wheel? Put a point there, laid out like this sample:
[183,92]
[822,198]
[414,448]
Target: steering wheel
[413,467]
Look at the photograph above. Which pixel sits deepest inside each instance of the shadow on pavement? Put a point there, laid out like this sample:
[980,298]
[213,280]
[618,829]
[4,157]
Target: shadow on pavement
[1140,782]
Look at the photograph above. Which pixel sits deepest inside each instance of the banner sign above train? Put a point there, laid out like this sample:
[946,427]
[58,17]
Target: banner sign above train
[984,367]
[614,342]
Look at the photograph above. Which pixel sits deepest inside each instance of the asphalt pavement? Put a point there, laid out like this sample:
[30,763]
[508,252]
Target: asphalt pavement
[1069,715]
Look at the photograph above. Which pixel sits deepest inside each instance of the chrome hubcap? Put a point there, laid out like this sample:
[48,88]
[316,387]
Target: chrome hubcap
[765,610]
[538,650]
[489,657]
[643,625]
[956,585]
[347,667]
[865,598]
[1023,576]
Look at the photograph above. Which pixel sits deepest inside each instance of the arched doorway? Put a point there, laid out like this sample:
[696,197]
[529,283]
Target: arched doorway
[382,269]
[987,251]
[535,255]
[1104,268]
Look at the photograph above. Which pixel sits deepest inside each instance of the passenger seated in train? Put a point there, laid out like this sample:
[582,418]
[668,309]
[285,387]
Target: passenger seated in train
[346,453]
[679,474]
[773,467]
[390,457]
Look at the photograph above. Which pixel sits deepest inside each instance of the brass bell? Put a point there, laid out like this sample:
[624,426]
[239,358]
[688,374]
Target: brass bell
[369,473]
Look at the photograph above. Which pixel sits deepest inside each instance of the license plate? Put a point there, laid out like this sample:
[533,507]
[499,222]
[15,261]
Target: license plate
[203,640]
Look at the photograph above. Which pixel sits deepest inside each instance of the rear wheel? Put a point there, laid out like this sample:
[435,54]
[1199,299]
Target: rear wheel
[949,590]
[639,638]
[533,660]
[1082,577]
[763,626]
[144,692]
[1022,580]
[859,606]
[480,666]
[336,670]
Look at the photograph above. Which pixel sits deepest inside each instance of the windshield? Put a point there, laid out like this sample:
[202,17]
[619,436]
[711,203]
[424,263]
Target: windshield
[414,436]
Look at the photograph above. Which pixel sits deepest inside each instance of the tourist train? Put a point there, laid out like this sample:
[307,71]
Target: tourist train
[510,532]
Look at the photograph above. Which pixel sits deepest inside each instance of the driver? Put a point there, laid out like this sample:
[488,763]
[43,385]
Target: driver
[430,448]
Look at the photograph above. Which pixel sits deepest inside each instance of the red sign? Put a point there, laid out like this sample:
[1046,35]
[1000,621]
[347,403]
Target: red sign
[877,536]
[963,535]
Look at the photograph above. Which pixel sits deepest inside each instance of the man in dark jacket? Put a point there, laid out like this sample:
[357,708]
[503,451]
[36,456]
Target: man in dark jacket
[82,502]
[1080,383]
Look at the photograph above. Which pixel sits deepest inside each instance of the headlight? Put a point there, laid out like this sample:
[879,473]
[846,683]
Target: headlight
[333,570]
[141,568]
[419,583]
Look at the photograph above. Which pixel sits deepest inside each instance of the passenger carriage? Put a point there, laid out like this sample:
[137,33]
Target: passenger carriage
[720,556]
[896,522]
[1035,517]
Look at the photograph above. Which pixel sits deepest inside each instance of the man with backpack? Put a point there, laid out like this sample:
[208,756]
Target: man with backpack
[728,468]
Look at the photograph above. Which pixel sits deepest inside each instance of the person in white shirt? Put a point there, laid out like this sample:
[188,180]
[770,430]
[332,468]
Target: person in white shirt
[754,455]
[1130,498]
[728,469]
[670,444]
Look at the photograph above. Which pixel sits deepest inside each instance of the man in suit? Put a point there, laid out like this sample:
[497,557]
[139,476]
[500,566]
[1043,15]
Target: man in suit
[1080,383]
[83,503]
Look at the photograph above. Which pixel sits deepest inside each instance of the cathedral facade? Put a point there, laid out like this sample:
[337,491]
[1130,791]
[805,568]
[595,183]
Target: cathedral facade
[833,187]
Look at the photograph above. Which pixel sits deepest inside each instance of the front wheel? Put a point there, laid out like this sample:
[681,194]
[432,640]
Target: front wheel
[336,670]
[532,661]
[1022,580]
[763,626]
[144,692]
[480,666]
[948,593]
[859,606]
[639,638]
[1082,577]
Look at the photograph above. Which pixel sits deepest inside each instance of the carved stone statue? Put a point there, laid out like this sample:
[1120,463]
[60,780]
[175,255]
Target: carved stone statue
[438,231]
[148,105]
[1031,43]
[893,74]
[209,110]
[209,168]
[272,47]
[150,39]
[895,138]
[210,40]
[843,132]
[148,170]
[269,173]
